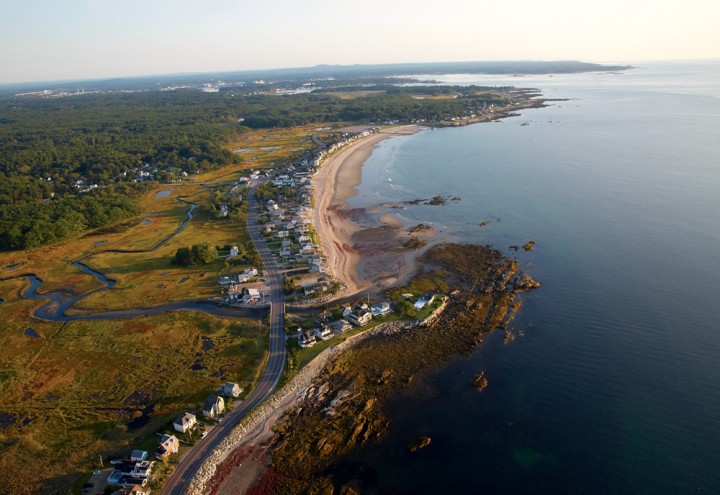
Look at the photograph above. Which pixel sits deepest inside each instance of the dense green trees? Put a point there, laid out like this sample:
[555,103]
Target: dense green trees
[107,140]
[198,254]
[28,225]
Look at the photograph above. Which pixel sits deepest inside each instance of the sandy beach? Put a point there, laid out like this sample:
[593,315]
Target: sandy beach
[350,239]
[334,183]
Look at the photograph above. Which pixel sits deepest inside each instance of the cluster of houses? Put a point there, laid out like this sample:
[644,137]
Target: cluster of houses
[288,222]
[358,316]
[132,475]
[233,289]
[287,227]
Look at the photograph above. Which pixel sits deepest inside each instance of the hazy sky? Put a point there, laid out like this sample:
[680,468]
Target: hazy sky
[75,39]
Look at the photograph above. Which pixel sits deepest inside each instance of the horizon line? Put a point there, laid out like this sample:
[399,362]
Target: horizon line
[270,69]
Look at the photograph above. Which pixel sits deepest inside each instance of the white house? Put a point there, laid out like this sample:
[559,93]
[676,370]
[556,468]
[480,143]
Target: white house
[185,423]
[138,455]
[306,339]
[142,469]
[340,326]
[169,444]
[381,309]
[233,252]
[360,318]
[214,406]
[322,332]
[231,390]
[424,300]
[250,296]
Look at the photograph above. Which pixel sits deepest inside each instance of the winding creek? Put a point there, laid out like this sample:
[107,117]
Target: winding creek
[60,301]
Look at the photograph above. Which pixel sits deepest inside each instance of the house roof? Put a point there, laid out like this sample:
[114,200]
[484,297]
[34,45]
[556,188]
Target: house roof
[185,418]
[210,402]
[138,454]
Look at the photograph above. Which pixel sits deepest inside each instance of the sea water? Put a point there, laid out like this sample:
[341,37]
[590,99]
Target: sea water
[613,382]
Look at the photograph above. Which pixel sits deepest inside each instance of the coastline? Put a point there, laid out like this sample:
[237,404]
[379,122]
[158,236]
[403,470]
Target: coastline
[240,458]
[334,183]
[344,234]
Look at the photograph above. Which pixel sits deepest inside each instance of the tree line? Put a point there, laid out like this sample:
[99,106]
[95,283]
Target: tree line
[105,140]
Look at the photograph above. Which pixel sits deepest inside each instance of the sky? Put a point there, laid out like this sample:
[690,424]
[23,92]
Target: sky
[44,40]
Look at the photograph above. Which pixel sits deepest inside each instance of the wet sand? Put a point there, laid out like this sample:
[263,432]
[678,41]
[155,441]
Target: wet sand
[352,253]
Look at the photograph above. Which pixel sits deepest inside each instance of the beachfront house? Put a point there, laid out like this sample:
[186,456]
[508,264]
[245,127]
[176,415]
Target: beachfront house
[424,300]
[138,455]
[307,250]
[306,339]
[185,423]
[231,390]
[381,309]
[122,475]
[341,326]
[169,444]
[142,469]
[360,317]
[322,332]
[214,406]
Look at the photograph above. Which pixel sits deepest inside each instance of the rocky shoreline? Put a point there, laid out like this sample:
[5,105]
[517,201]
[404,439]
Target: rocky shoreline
[297,389]
[341,410]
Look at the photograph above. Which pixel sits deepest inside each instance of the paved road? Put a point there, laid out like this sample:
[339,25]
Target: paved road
[178,481]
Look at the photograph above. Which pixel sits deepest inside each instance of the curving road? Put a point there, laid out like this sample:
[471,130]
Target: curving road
[177,483]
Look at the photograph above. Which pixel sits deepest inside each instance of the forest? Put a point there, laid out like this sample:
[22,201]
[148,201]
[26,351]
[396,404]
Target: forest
[67,164]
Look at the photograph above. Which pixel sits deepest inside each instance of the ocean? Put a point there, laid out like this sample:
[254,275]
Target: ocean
[612,385]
